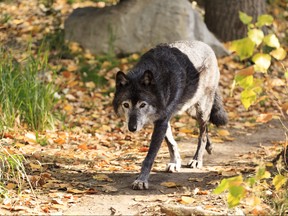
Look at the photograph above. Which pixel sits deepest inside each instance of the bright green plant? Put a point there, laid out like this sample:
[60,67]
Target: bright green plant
[259,49]
[25,99]
[252,191]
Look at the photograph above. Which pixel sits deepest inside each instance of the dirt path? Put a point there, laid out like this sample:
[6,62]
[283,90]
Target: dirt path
[118,198]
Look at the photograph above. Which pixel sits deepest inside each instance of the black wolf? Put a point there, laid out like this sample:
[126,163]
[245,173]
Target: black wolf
[170,79]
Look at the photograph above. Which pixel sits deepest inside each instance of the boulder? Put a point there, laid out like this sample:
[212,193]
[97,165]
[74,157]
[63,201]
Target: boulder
[137,25]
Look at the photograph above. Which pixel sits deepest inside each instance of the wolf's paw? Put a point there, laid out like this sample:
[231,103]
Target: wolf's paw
[195,164]
[140,185]
[173,167]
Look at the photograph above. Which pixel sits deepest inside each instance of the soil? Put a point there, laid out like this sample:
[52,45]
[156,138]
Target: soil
[117,197]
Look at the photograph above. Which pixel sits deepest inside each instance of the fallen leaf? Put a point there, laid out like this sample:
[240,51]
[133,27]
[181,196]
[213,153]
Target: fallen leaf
[30,138]
[169,184]
[102,177]
[223,133]
[75,191]
[264,118]
[186,200]
[109,188]
[83,146]
[196,179]
[144,149]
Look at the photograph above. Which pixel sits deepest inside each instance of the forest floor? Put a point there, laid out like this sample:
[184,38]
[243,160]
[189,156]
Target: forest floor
[86,165]
[168,189]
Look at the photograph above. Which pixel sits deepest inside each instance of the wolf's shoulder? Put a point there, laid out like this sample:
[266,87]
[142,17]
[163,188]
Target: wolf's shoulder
[197,52]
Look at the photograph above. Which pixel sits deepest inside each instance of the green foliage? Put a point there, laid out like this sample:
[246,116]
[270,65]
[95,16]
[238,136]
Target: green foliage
[12,170]
[252,191]
[25,99]
[261,50]
[4,18]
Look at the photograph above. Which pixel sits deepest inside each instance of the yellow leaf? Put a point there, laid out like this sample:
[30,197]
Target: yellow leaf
[271,40]
[279,53]
[223,132]
[185,130]
[262,62]
[216,140]
[279,180]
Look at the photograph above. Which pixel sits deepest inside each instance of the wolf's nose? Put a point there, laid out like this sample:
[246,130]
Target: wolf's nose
[132,128]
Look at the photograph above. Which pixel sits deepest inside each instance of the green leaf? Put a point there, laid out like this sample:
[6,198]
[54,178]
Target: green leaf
[222,187]
[236,193]
[279,180]
[262,62]
[271,40]
[261,173]
[248,97]
[244,81]
[256,35]
[226,183]
[264,19]
[245,18]
[251,181]
[243,47]
[279,53]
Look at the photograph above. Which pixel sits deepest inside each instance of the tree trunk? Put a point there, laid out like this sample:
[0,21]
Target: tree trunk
[222,17]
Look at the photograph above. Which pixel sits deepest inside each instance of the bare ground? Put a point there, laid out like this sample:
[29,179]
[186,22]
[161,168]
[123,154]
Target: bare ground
[117,197]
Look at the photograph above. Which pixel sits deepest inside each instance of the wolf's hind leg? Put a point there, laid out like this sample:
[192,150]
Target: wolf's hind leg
[209,146]
[175,159]
[202,115]
[197,161]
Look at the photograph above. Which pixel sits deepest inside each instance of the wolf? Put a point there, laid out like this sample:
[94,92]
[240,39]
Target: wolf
[168,80]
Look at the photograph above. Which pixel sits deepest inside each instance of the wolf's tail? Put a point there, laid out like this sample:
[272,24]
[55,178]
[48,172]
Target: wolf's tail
[218,114]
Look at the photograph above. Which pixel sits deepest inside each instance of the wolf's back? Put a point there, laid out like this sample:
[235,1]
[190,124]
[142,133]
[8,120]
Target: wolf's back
[204,60]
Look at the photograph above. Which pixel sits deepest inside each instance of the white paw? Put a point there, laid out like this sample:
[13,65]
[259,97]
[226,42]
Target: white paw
[195,164]
[140,185]
[173,167]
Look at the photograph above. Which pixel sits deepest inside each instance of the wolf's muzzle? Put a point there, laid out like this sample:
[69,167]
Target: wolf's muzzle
[132,124]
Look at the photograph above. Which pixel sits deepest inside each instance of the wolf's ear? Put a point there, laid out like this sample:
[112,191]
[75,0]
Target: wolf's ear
[147,78]
[121,79]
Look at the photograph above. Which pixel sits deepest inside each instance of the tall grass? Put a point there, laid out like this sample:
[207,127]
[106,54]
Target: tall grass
[12,170]
[25,99]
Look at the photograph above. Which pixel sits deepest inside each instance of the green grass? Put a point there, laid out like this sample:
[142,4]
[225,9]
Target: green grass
[25,99]
[12,170]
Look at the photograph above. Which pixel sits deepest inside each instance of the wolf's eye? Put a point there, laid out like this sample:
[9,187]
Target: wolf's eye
[142,105]
[126,105]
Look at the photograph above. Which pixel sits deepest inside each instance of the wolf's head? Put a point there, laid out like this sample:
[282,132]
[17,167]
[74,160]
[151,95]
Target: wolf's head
[135,98]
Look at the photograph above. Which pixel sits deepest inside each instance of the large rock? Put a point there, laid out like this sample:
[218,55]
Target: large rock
[135,25]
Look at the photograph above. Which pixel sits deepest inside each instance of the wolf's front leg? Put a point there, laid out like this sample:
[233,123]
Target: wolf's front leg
[175,159]
[160,128]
